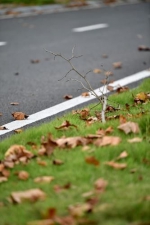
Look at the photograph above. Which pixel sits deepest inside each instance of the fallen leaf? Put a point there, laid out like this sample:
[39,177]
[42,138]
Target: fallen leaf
[92,160]
[51,213]
[115,165]
[122,119]
[103,132]
[58,162]
[67,97]
[104,81]
[58,188]
[105,56]
[43,179]
[136,139]
[110,88]
[108,73]
[23,175]
[85,94]
[34,61]
[129,127]
[8,164]
[122,89]
[18,131]
[41,222]
[100,185]
[5,173]
[84,113]
[1,114]
[19,115]
[117,65]
[143,48]
[14,103]
[65,125]
[91,120]
[3,179]
[42,163]
[141,98]
[79,210]
[97,71]
[50,144]
[147,198]
[3,128]
[107,140]
[31,195]
[87,194]
[122,155]
[71,142]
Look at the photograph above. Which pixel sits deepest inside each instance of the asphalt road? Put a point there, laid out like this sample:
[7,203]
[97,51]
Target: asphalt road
[35,85]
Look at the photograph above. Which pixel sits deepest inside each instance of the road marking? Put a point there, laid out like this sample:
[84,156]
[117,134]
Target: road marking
[72,103]
[2,43]
[92,27]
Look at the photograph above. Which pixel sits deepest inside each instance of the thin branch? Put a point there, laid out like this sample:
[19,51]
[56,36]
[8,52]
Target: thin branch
[65,75]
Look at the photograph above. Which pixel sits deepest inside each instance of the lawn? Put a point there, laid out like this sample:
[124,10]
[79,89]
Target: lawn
[97,184]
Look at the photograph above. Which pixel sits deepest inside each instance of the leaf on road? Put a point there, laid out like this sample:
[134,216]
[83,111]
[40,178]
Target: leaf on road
[1,114]
[31,195]
[104,56]
[3,128]
[67,97]
[108,73]
[97,71]
[34,61]
[119,166]
[43,179]
[100,185]
[65,125]
[19,115]
[122,155]
[85,94]
[143,48]
[110,88]
[58,162]
[92,160]
[107,140]
[23,175]
[135,140]
[117,65]
[14,103]
[129,127]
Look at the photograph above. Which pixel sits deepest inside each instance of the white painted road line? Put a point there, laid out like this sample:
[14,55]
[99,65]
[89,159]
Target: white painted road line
[2,43]
[92,27]
[72,103]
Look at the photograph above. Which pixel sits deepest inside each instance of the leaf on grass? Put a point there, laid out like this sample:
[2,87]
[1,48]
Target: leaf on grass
[19,115]
[87,194]
[58,162]
[18,131]
[129,127]
[41,222]
[117,65]
[14,103]
[92,160]
[67,97]
[103,132]
[85,94]
[65,125]
[79,210]
[107,140]
[43,179]
[23,175]
[134,140]
[97,71]
[119,166]
[3,128]
[122,155]
[58,188]
[91,120]
[100,185]
[50,144]
[122,89]
[8,164]
[51,213]
[17,151]
[31,195]
[42,163]
[71,142]
[122,119]
[141,98]
[3,179]
[84,113]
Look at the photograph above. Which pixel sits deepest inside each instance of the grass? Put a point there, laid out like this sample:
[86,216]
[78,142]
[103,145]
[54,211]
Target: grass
[28,2]
[122,202]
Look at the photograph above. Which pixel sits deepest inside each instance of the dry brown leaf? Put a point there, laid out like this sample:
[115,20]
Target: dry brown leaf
[58,162]
[136,139]
[34,61]
[65,125]
[3,128]
[108,73]
[44,179]
[42,163]
[143,48]
[79,210]
[85,94]
[84,113]
[23,175]
[1,114]
[100,185]
[92,160]
[18,131]
[31,195]
[110,88]
[129,127]
[14,103]
[97,71]
[104,81]
[122,119]
[108,140]
[41,222]
[2,166]
[71,142]
[117,65]
[50,144]
[3,179]
[8,164]
[67,97]
[5,173]
[141,98]
[122,89]
[122,155]
[58,188]
[119,166]
[19,115]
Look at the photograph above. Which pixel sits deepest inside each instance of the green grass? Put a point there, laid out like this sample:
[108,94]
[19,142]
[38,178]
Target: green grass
[122,202]
[28,2]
